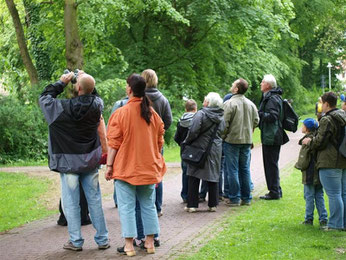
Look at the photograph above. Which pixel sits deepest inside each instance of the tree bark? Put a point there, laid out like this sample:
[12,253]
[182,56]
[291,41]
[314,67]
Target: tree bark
[74,46]
[24,53]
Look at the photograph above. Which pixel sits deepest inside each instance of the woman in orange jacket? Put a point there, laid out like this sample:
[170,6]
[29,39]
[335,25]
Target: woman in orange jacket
[135,139]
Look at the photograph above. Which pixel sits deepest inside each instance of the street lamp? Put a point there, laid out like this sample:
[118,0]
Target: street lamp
[329,66]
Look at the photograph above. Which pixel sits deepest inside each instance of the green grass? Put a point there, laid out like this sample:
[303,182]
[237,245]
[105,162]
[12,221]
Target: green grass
[172,153]
[20,199]
[21,163]
[272,230]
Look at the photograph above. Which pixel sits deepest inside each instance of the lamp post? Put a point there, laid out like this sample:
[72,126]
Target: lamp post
[329,66]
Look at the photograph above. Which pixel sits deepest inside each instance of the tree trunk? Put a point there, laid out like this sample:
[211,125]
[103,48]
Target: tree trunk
[74,47]
[24,53]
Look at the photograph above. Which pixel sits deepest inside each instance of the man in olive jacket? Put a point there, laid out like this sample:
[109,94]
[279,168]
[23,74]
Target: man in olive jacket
[241,117]
[331,164]
[272,134]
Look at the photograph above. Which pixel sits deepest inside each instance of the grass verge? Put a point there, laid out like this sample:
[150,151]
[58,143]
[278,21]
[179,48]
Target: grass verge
[20,199]
[272,230]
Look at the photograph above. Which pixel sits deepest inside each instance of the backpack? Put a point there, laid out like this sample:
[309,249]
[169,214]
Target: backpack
[290,120]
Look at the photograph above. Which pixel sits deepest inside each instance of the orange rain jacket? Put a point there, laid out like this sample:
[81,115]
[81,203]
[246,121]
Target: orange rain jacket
[139,160]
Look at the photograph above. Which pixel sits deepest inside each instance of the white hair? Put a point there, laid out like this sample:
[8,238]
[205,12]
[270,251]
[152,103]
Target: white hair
[214,99]
[270,79]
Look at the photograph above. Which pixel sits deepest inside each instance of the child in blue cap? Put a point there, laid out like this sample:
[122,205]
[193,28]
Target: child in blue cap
[313,190]
[343,102]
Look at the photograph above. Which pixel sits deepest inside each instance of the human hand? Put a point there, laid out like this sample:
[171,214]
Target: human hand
[66,78]
[306,140]
[109,173]
[103,159]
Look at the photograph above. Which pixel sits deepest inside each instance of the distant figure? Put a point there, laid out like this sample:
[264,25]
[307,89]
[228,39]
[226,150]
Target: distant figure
[313,190]
[241,118]
[331,164]
[204,123]
[272,134]
[343,102]
[318,109]
[180,135]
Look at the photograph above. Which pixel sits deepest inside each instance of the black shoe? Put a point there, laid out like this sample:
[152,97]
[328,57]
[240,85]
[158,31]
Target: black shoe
[121,249]
[308,222]
[323,223]
[156,242]
[62,222]
[269,197]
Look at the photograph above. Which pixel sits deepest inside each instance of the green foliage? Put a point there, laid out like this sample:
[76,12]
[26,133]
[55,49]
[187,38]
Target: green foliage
[272,230]
[23,132]
[20,199]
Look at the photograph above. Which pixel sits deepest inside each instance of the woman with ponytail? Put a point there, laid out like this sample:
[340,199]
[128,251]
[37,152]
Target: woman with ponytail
[135,139]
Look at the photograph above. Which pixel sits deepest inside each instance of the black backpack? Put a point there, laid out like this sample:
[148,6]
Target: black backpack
[291,119]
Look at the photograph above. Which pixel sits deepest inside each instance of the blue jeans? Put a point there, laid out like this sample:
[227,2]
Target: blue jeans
[158,199]
[334,183]
[126,197]
[225,173]
[139,222]
[70,197]
[237,158]
[115,196]
[183,192]
[314,194]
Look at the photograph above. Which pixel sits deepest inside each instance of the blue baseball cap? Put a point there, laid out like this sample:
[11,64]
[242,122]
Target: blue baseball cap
[310,123]
[343,98]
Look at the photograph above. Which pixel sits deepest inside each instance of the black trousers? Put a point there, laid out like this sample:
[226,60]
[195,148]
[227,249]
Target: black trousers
[84,211]
[193,190]
[271,169]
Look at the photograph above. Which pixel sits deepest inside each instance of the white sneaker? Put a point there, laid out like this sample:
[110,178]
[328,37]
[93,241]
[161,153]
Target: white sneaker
[212,209]
[190,210]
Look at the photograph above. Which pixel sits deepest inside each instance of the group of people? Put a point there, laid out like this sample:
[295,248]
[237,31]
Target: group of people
[132,149]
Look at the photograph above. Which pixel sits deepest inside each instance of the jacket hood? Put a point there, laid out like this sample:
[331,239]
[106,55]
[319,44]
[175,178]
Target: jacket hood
[215,114]
[186,119]
[84,106]
[339,115]
[153,93]
[277,91]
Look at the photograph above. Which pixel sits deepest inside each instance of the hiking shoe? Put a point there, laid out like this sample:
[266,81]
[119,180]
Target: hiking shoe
[156,242]
[308,222]
[104,247]
[234,204]
[190,210]
[245,203]
[70,246]
[323,223]
[212,209]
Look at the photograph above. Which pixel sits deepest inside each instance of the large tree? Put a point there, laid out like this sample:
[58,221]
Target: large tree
[29,66]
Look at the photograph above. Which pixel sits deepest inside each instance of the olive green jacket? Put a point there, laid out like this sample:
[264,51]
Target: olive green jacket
[324,142]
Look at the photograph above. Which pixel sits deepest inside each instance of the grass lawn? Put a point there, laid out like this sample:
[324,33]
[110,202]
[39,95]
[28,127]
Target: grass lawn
[272,230]
[20,199]
[21,163]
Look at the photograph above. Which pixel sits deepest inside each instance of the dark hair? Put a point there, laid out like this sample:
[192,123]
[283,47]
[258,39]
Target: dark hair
[242,86]
[330,98]
[190,105]
[137,85]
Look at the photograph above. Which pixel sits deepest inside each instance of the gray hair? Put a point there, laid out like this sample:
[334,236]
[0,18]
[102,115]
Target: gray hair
[270,79]
[214,99]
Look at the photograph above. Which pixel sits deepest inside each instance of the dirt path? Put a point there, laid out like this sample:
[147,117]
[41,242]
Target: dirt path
[181,232]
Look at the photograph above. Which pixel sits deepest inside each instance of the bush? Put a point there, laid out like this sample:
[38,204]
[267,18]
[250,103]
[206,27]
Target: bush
[23,132]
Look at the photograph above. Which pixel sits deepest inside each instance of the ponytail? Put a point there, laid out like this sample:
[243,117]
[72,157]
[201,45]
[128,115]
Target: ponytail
[145,109]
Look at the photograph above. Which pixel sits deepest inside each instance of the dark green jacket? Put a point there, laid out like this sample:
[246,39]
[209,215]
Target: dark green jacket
[324,142]
[306,162]
[271,116]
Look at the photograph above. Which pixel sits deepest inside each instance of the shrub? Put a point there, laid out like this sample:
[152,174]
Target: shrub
[23,132]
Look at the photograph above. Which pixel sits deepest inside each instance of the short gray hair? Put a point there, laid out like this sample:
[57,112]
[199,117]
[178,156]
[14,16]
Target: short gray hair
[270,79]
[214,99]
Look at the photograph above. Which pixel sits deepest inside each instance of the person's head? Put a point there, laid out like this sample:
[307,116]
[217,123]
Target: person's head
[309,125]
[191,106]
[268,83]
[136,88]
[150,78]
[329,100]
[240,86]
[213,99]
[343,102]
[85,84]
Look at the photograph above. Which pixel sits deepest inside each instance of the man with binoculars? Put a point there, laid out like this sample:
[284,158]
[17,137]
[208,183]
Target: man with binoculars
[75,151]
